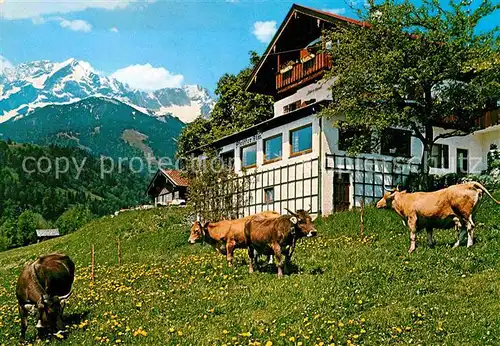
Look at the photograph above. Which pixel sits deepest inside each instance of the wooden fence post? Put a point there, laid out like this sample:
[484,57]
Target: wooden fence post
[362,225]
[119,251]
[92,275]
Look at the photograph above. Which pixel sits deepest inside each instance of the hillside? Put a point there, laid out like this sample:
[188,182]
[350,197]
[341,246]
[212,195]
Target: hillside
[97,125]
[342,290]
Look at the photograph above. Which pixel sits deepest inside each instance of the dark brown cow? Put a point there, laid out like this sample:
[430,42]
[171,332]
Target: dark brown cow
[44,286]
[225,236]
[446,208]
[277,236]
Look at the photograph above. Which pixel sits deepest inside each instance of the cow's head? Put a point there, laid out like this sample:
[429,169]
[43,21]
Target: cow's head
[303,223]
[50,310]
[197,232]
[386,200]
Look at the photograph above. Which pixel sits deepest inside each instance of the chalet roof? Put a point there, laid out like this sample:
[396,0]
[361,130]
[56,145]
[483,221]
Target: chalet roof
[173,176]
[294,10]
[176,177]
[41,233]
[263,126]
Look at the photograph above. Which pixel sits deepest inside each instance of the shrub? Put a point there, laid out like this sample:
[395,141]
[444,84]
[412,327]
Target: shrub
[73,218]
[27,224]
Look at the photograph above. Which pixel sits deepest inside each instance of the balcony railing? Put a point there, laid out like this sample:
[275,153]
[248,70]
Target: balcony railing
[491,118]
[302,72]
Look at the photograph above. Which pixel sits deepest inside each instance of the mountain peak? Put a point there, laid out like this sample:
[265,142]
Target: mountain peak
[39,83]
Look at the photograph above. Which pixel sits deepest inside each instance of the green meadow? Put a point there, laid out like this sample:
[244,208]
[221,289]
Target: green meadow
[340,290]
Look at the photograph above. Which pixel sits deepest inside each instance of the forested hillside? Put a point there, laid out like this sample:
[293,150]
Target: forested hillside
[30,198]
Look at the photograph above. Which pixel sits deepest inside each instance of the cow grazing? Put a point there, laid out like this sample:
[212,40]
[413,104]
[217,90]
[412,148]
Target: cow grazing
[43,287]
[451,207]
[225,236]
[277,236]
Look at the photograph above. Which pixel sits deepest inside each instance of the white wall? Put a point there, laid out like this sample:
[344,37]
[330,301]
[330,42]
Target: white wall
[477,145]
[319,91]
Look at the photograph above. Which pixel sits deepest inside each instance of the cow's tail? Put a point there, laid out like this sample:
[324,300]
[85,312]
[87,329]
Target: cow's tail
[481,187]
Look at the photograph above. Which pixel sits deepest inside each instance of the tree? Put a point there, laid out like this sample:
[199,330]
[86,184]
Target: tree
[415,66]
[73,218]
[234,111]
[27,224]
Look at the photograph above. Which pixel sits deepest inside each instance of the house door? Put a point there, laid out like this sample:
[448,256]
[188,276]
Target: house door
[341,191]
[462,161]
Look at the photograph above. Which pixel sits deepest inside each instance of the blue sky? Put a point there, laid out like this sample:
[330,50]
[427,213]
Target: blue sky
[164,43]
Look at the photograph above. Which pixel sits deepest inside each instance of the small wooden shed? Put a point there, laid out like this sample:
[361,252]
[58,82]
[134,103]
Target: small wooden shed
[168,187]
[45,234]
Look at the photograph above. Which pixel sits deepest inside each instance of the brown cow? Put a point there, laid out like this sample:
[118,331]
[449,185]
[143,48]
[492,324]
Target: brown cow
[225,236]
[277,236]
[44,286]
[446,208]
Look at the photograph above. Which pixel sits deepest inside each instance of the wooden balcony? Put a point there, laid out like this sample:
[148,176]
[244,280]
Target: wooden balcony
[491,118]
[303,72]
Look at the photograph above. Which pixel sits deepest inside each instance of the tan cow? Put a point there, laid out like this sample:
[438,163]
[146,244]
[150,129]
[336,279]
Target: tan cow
[277,236]
[225,236]
[451,207]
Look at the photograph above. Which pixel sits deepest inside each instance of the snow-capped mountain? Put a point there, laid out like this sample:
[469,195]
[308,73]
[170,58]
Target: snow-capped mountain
[28,86]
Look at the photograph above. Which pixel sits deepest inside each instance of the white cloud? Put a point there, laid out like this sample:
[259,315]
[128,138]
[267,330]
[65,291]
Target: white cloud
[5,64]
[12,9]
[114,29]
[76,25]
[340,10]
[264,31]
[148,78]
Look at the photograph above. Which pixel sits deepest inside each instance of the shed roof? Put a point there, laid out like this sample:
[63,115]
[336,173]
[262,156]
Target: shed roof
[40,233]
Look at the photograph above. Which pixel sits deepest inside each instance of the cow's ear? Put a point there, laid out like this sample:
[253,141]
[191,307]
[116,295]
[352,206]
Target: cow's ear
[293,220]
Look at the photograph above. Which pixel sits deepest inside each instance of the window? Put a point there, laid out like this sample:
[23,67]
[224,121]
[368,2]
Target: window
[396,142]
[269,195]
[272,149]
[228,159]
[440,157]
[301,140]
[349,136]
[249,156]
[462,161]
[292,106]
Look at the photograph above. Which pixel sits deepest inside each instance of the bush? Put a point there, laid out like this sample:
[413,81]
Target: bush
[27,224]
[436,182]
[4,243]
[493,159]
[73,218]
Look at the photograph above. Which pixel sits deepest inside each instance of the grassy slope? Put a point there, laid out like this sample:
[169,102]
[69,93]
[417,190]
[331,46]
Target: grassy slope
[167,292]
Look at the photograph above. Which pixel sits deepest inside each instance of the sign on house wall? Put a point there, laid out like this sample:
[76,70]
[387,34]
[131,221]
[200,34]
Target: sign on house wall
[249,140]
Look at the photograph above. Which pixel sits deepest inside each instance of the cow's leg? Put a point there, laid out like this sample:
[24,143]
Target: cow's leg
[229,253]
[251,259]
[430,237]
[470,232]
[23,313]
[412,224]
[279,259]
[458,227]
